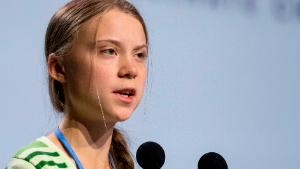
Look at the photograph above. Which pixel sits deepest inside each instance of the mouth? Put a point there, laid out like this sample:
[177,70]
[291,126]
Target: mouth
[126,95]
[127,92]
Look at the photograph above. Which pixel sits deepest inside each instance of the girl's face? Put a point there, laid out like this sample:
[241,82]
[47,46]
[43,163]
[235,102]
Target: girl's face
[114,67]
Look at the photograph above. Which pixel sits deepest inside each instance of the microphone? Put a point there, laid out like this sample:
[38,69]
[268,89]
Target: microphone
[212,160]
[150,155]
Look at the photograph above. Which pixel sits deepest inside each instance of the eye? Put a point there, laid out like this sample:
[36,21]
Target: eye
[142,55]
[109,51]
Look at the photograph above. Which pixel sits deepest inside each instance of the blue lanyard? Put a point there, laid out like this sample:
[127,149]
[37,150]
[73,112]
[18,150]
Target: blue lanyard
[68,147]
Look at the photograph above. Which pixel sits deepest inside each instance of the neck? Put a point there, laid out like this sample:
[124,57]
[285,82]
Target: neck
[90,140]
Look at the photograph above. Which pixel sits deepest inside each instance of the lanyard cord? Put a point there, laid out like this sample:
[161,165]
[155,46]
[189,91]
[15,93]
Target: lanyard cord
[68,147]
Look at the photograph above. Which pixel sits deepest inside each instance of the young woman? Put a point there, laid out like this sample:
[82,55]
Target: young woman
[96,53]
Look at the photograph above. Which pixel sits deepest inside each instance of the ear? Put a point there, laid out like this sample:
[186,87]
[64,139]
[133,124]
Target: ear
[56,68]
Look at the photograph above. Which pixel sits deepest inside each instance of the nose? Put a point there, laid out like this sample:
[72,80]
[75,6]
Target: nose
[127,68]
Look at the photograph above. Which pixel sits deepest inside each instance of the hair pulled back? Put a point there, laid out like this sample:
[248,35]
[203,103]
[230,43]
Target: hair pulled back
[59,36]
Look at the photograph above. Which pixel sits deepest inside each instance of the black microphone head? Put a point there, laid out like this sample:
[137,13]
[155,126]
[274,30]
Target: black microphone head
[212,160]
[150,155]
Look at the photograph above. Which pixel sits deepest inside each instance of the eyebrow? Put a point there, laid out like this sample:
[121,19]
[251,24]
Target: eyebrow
[140,47]
[117,43]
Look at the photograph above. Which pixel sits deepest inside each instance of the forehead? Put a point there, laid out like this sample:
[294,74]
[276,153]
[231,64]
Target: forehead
[115,25]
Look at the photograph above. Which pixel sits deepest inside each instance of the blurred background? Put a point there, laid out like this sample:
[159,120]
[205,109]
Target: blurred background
[224,78]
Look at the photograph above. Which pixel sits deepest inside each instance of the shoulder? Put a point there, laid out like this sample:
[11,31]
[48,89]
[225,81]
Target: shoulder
[41,153]
[19,164]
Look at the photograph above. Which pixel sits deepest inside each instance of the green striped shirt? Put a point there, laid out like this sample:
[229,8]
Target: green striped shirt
[41,154]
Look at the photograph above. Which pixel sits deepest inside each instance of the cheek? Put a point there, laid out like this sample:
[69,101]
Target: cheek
[79,87]
[102,77]
[143,78]
[79,63]
[78,75]
[144,74]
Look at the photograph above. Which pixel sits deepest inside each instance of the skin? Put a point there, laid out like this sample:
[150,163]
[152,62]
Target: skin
[117,60]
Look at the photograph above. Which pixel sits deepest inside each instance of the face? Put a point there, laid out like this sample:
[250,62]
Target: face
[107,66]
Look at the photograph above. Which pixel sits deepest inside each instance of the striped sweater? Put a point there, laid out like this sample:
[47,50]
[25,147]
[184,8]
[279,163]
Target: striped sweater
[41,154]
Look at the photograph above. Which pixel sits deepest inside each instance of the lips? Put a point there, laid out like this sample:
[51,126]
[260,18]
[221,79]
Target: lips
[125,95]
[125,92]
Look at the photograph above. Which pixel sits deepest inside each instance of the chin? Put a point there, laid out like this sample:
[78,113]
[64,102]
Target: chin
[120,113]
[123,117]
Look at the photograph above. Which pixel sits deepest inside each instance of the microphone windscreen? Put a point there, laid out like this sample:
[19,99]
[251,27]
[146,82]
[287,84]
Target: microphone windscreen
[150,155]
[212,160]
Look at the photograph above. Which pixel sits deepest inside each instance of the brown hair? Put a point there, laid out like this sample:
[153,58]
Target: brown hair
[59,36]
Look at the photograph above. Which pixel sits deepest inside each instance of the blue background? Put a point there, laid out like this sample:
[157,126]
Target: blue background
[225,77]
